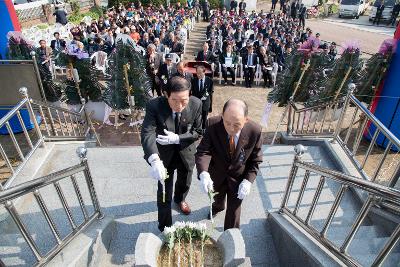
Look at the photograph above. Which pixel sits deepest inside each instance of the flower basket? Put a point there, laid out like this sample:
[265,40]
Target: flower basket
[191,244]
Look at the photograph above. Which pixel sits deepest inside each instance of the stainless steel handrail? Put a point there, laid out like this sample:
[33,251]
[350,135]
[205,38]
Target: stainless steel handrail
[15,111]
[12,112]
[377,193]
[388,134]
[328,123]
[7,196]
[59,124]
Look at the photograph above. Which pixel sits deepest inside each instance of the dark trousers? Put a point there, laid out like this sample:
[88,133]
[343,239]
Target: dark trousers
[393,19]
[204,115]
[232,72]
[182,185]
[302,21]
[377,18]
[233,204]
[206,15]
[267,78]
[273,5]
[249,76]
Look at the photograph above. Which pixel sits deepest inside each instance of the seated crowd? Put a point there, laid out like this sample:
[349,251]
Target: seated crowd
[166,28]
[242,43]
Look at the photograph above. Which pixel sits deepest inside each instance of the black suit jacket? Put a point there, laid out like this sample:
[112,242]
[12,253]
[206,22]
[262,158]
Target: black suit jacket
[159,117]
[213,154]
[254,59]
[163,71]
[242,6]
[207,92]
[53,44]
[208,57]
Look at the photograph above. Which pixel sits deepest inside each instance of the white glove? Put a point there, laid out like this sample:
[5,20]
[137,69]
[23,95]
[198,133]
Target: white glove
[206,182]
[244,189]
[157,170]
[168,139]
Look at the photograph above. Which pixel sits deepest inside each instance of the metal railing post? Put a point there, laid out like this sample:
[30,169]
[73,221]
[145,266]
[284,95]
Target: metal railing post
[24,92]
[91,128]
[357,223]
[21,226]
[299,150]
[289,128]
[39,79]
[82,154]
[352,86]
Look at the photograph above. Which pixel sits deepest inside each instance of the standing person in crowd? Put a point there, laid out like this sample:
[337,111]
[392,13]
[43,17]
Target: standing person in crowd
[233,6]
[302,16]
[61,15]
[44,53]
[242,7]
[294,8]
[228,61]
[171,127]
[227,159]
[181,72]
[282,4]
[166,71]
[249,61]
[203,89]
[395,13]
[379,11]
[266,63]
[57,44]
[154,61]
[273,5]
[206,10]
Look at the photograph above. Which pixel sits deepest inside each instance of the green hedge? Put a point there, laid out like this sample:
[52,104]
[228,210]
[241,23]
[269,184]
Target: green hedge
[94,13]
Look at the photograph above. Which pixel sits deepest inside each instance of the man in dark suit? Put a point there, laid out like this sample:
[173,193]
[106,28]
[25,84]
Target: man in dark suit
[379,12]
[203,89]
[170,129]
[395,13]
[61,15]
[206,10]
[57,44]
[242,7]
[205,54]
[166,71]
[227,159]
[250,61]
[234,5]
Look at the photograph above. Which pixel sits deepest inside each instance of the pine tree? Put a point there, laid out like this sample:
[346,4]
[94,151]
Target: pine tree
[89,85]
[286,81]
[52,89]
[371,76]
[327,89]
[116,94]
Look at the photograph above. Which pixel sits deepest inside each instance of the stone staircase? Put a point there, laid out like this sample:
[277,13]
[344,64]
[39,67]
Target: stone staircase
[369,239]
[127,194]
